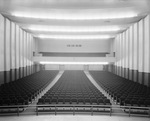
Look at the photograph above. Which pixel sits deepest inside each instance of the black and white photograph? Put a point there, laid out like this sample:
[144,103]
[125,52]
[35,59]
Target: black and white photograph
[74,60]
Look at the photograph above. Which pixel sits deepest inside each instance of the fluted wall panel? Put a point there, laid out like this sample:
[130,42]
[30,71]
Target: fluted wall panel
[133,52]
[16,51]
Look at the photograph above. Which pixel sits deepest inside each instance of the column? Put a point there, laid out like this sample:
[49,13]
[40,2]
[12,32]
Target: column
[135,52]
[27,53]
[117,55]
[131,49]
[147,51]
[31,54]
[17,51]
[12,51]
[123,54]
[127,55]
[141,52]
[7,51]
[1,49]
[24,55]
[21,54]
[120,56]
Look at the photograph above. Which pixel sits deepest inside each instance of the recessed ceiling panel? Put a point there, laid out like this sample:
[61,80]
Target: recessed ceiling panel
[74,13]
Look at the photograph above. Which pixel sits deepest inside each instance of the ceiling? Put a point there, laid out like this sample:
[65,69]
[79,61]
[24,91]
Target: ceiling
[74,17]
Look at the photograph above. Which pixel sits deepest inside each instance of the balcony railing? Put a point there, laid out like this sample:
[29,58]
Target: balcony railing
[75,109]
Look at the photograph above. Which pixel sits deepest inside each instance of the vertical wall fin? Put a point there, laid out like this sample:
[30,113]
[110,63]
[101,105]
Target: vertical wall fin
[2,33]
[133,52]
[16,48]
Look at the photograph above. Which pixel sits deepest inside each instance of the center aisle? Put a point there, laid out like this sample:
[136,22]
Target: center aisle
[74,89]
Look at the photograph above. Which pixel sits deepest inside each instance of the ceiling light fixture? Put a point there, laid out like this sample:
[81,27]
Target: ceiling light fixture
[75,63]
[69,16]
[74,29]
[75,36]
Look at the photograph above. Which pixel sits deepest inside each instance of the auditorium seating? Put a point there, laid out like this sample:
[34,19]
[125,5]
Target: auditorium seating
[73,88]
[23,91]
[123,91]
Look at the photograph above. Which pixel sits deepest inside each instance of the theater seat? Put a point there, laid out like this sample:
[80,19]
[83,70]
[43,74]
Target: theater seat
[147,103]
[81,101]
[47,101]
[67,101]
[40,102]
[74,101]
[54,101]
[87,101]
[60,101]
[94,101]
[107,102]
[100,102]
[127,103]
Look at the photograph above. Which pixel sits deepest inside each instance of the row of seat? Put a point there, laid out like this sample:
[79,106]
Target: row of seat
[73,87]
[74,96]
[86,101]
[134,102]
[123,91]
[24,90]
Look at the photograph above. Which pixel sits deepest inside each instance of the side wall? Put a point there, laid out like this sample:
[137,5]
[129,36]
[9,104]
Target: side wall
[133,53]
[16,49]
